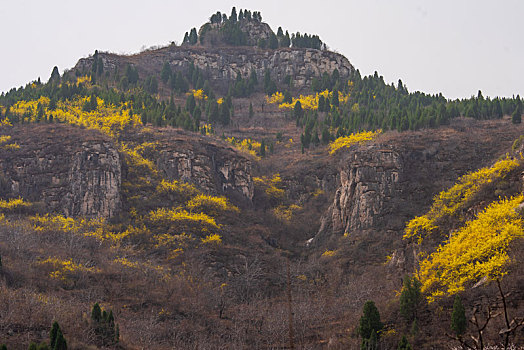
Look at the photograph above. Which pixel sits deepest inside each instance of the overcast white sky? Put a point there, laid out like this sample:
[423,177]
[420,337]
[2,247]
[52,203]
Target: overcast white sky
[451,46]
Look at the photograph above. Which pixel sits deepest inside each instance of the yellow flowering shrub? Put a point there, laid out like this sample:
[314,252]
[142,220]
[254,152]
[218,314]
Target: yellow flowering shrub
[348,141]
[247,146]
[4,139]
[198,94]
[276,98]
[212,239]
[13,204]
[145,267]
[210,204]
[449,202]
[64,269]
[271,186]
[478,250]
[329,253]
[108,119]
[285,213]
[136,159]
[306,101]
[182,220]
[180,189]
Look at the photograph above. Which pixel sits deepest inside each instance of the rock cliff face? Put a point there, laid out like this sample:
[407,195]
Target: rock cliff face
[78,172]
[211,167]
[221,65]
[71,171]
[367,182]
[385,184]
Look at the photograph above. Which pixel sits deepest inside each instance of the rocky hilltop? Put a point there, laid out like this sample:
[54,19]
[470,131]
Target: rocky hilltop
[221,66]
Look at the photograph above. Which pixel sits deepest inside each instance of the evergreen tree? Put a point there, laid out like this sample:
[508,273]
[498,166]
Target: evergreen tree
[190,103]
[3,347]
[298,111]
[263,148]
[96,313]
[60,343]
[273,41]
[53,334]
[404,344]
[458,318]
[193,36]
[516,118]
[370,323]
[55,75]
[233,17]
[410,298]
[166,72]
[251,114]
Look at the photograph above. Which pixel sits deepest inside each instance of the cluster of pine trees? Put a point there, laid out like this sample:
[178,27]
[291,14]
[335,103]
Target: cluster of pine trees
[374,105]
[232,34]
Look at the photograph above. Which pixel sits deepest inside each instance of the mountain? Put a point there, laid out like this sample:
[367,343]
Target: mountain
[204,195]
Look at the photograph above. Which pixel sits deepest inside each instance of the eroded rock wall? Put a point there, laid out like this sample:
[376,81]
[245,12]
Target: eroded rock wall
[212,168]
[221,65]
[70,171]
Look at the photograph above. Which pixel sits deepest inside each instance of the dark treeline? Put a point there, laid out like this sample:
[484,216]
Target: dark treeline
[232,34]
[130,92]
[373,105]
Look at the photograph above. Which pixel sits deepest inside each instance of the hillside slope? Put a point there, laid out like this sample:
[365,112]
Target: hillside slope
[177,187]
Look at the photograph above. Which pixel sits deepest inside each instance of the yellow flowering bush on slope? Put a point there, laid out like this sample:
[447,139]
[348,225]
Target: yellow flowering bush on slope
[13,204]
[247,146]
[478,250]
[306,101]
[449,202]
[108,119]
[348,141]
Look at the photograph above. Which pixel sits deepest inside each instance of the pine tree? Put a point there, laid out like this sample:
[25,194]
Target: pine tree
[516,118]
[263,148]
[166,72]
[298,111]
[251,114]
[273,41]
[96,313]
[233,17]
[458,317]
[53,334]
[55,75]
[370,321]
[193,36]
[404,344]
[61,343]
[410,298]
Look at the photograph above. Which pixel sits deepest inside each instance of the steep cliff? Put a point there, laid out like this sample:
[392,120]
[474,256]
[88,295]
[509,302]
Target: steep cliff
[73,171]
[79,172]
[221,65]
[384,184]
[211,166]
